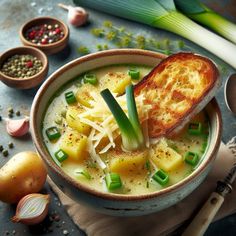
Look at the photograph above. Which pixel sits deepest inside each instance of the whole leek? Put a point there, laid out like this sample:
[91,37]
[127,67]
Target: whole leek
[206,16]
[163,14]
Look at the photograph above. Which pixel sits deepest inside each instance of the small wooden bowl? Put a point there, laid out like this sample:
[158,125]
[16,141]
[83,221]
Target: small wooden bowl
[46,48]
[29,82]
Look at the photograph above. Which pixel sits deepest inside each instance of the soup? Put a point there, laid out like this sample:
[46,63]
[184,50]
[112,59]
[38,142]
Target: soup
[84,139]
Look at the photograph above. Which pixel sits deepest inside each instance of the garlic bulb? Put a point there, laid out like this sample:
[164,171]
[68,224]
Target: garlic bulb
[77,16]
[17,128]
[32,209]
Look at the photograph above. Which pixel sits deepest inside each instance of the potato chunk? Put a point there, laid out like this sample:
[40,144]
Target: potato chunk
[83,94]
[74,144]
[115,81]
[165,157]
[126,162]
[73,120]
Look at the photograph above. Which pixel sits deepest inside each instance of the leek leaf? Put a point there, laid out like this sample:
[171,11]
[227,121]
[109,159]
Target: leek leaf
[204,15]
[162,14]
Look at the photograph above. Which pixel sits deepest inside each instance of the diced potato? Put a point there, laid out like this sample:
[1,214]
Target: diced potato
[165,157]
[125,162]
[115,81]
[75,145]
[83,95]
[73,120]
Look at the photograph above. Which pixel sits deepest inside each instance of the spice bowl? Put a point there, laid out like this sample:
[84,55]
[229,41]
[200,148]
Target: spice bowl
[48,34]
[29,64]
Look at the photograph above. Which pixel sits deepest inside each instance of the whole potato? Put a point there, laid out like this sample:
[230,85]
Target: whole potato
[24,173]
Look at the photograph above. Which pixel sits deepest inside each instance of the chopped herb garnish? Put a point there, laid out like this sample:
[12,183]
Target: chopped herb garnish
[161,177]
[191,158]
[113,181]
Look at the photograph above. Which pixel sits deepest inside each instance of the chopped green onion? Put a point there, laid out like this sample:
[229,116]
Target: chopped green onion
[204,146]
[61,155]
[161,177]
[147,165]
[134,74]
[129,138]
[85,174]
[113,181]
[195,128]
[191,158]
[163,14]
[70,97]
[197,11]
[133,114]
[53,133]
[91,79]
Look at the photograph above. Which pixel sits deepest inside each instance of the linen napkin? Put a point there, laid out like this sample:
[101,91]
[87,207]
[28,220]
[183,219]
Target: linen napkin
[165,221]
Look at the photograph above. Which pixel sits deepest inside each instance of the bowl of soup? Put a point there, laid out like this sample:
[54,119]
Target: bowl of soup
[79,140]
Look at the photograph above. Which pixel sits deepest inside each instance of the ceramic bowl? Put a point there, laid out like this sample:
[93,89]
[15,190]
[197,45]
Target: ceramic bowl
[109,203]
[46,48]
[29,82]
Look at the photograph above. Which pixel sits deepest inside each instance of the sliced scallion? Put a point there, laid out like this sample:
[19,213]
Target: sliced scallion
[113,181]
[84,173]
[191,158]
[70,97]
[61,155]
[161,177]
[91,79]
[53,133]
[134,74]
[195,128]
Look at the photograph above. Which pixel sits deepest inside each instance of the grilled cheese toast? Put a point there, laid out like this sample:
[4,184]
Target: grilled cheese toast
[177,88]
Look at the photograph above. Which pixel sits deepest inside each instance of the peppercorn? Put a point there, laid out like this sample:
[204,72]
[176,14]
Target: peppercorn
[0,118]
[5,153]
[18,113]
[21,66]
[44,34]
[10,145]
[10,110]
[1,148]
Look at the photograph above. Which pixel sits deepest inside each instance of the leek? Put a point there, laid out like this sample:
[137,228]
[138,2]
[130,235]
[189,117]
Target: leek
[163,14]
[206,16]
[133,114]
[129,138]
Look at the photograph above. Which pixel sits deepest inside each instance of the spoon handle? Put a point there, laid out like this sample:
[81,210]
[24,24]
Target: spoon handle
[204,217]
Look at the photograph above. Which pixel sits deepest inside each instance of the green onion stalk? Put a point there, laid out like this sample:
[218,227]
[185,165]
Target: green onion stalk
[206,16]
[130,128]
[163,14]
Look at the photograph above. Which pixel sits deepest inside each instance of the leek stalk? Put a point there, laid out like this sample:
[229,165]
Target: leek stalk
[130,140]
[163,14]
[206,16]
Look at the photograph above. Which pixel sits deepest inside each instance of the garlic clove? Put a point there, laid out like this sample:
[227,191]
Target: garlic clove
[32,209]
[77,16]
[17,128]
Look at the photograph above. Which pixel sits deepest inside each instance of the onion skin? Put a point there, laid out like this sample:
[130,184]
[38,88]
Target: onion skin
[32,220]
[23,174]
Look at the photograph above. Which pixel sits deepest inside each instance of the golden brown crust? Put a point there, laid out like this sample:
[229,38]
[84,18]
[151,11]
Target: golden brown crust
[174,88]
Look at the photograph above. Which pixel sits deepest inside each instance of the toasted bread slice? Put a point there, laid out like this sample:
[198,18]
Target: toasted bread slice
[177,88]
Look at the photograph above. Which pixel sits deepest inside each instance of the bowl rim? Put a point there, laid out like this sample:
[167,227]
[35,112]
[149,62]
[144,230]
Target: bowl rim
[108,195]
[20,79]
[43,46]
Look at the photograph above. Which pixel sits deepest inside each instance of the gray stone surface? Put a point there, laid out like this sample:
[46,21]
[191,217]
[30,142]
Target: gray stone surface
[12,15]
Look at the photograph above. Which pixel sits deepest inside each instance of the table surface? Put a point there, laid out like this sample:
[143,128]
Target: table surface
[12,15]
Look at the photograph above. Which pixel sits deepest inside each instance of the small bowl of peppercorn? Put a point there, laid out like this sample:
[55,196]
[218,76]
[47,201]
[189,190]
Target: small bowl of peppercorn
[45,33]
[23,67]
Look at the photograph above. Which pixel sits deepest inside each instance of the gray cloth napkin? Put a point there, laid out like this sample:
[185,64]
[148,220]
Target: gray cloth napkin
[160,223]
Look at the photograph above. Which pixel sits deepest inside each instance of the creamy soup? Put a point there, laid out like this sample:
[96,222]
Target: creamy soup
[83,138]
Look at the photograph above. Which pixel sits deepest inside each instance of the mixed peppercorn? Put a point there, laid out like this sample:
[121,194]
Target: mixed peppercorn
[22,66]
[44,34]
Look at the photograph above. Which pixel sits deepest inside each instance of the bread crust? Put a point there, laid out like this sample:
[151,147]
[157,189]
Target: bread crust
[177,88]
